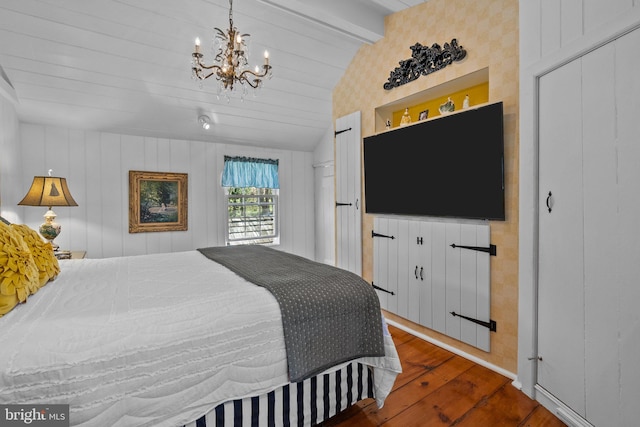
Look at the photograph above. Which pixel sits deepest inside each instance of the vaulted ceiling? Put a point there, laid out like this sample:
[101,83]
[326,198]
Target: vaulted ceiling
[124,66]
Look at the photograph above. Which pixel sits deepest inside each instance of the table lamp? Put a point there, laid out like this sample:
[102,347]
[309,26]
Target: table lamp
[49,191]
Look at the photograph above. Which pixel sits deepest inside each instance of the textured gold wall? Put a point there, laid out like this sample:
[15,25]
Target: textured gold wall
[488,30]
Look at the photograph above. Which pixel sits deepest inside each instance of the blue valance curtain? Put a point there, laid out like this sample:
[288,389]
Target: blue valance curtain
[250,172]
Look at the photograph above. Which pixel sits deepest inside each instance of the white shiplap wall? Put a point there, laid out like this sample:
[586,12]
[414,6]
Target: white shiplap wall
[97,167]
[9,152]
[550,29]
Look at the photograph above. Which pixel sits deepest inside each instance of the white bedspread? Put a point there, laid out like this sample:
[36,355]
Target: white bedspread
[152,340]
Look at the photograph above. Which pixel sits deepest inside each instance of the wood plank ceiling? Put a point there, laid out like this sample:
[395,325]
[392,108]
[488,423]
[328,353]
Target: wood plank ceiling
[123,66]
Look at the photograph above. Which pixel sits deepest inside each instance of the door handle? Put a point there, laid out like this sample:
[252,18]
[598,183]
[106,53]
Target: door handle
[549,202]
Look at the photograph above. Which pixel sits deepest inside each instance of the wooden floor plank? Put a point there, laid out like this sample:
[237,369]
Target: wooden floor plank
[507,406]
[419,357]
[451,401]
[541,417]
[418,389]
[439,388]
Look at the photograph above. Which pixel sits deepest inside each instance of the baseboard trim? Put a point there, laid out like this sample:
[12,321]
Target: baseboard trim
[559,409]
[454,350]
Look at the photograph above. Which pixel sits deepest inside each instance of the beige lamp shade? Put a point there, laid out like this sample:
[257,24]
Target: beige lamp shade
[48,191]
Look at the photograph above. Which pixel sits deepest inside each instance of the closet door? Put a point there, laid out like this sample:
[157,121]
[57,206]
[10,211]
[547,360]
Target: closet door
[625,267]
[348,193]
[560,258]
[601,234]
[588,297]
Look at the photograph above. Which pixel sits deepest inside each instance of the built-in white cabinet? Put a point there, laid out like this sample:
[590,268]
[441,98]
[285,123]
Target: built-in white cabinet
[588,327]
[420,276]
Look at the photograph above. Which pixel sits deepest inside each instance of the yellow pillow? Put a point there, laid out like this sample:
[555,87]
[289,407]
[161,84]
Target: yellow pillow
[42,252]
[18,271]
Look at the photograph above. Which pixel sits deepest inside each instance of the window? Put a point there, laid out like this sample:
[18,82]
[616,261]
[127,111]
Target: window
[251,187]
[252,215]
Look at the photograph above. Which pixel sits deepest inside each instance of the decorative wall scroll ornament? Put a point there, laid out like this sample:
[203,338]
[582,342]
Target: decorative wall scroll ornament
[424,61]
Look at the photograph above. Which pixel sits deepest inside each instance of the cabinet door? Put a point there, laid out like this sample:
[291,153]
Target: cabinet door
[403,278]
[439,277]
[385,272]
[475,285]
[348,190]
[560,259]
[418,268]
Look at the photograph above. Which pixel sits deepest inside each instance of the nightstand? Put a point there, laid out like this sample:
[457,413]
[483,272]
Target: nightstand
[71,254]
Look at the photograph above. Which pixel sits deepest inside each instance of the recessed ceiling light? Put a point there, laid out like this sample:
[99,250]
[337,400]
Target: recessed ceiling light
[205,122]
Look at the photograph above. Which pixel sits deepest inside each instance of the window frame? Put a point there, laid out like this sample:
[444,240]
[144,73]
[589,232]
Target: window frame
[274,237]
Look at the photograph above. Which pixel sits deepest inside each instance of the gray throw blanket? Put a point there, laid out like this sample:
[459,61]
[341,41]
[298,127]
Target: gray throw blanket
[329,315]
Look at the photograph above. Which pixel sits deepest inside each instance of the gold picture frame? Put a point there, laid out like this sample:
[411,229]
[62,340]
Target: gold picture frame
[157,201]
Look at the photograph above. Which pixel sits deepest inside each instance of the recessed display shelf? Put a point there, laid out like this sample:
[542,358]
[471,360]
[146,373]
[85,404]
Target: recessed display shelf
[439,92]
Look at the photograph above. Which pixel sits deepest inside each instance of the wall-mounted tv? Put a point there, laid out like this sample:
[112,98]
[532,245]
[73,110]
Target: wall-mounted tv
[449,166]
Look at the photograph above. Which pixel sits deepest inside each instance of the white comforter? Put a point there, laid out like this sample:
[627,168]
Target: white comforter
[152,340]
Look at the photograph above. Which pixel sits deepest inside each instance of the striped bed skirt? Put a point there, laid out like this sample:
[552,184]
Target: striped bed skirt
[302,404]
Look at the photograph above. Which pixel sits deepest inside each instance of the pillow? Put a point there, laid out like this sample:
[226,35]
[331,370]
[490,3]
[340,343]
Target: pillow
[42,252]
[18,271]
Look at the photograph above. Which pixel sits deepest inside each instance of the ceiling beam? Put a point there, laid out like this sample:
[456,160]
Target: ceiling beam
[339,16]
[397,5]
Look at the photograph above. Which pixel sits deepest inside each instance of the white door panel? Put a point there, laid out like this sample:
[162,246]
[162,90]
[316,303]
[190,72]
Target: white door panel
[348,193]
[588,250]
[560,287]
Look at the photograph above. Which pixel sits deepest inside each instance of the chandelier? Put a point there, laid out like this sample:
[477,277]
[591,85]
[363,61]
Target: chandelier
[230,66]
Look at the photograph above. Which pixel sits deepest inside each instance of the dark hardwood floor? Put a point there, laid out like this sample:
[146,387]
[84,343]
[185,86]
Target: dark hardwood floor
[439,388]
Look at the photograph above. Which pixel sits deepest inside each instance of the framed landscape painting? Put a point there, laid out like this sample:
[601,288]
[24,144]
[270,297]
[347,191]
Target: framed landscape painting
[157,201]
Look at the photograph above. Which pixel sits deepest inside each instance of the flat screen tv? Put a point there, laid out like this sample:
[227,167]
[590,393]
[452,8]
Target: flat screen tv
[450,166]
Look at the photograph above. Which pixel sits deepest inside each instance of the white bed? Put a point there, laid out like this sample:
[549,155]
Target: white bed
[152,340]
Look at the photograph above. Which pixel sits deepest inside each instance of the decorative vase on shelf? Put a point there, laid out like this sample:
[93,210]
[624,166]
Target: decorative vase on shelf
[465,103]
[406,118]
[447,107]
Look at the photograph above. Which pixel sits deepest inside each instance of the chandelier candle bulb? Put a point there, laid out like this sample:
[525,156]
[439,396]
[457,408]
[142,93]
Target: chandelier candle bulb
[197,44]
[266,57]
